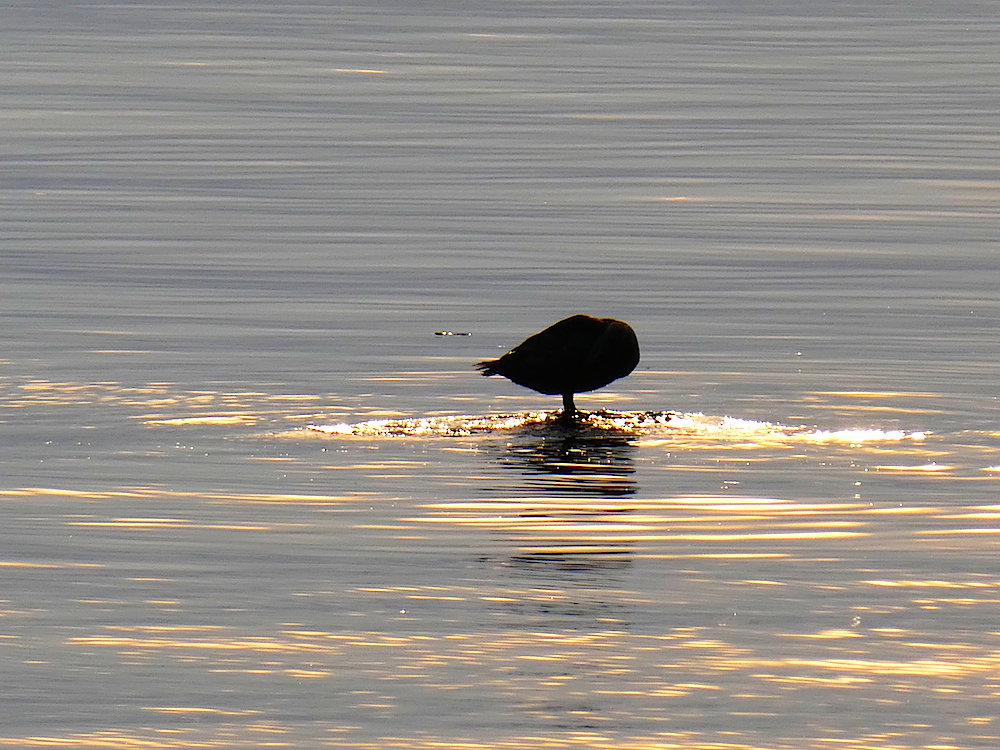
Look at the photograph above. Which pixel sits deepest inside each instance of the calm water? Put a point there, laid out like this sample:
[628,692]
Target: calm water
[250,499]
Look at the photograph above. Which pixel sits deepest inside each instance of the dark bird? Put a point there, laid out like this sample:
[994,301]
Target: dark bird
[578,354]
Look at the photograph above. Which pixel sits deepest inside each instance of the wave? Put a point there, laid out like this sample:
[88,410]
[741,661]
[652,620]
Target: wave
[648,424]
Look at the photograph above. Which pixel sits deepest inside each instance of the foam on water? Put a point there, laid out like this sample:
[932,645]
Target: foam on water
[647,423]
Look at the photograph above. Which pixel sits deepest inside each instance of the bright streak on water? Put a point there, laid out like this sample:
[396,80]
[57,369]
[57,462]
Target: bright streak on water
[655,424]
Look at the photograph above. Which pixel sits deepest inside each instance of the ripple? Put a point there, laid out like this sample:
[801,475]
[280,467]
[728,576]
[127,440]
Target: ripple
[462,425]
[646,423]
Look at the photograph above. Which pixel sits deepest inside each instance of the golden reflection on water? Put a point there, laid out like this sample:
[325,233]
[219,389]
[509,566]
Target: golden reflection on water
[160,404]
[592,679]
[581,607]
[560,639]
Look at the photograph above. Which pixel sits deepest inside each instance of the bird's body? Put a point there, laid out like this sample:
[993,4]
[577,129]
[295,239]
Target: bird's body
[578,354]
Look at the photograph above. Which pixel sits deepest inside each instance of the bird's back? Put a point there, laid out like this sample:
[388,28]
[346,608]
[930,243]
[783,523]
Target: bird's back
[577,354]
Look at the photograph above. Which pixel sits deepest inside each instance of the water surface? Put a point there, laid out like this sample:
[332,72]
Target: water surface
[250,499]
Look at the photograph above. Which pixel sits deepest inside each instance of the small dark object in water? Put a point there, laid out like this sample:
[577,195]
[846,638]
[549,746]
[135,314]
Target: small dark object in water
[578,354]
[452,333]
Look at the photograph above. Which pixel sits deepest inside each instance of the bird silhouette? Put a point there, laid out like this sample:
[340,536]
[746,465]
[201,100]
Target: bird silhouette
[580,353]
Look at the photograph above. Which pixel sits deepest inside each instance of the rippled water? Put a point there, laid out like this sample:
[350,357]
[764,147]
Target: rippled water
[250,499]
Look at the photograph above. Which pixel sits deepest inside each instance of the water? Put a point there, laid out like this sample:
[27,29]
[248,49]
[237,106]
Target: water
[250,499]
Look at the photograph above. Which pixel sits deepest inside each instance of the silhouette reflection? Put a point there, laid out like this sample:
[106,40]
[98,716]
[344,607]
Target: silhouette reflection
[568,493]
[572,464]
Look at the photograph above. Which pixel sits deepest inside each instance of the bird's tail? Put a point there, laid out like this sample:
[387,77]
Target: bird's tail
[488,367]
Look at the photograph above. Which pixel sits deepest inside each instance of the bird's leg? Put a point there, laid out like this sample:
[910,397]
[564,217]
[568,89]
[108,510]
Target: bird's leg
[569,409]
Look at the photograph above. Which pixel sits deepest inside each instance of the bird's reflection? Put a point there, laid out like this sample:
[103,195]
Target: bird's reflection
[594,465]
[569,491]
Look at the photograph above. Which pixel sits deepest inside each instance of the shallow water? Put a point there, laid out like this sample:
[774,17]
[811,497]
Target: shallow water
[249,498]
